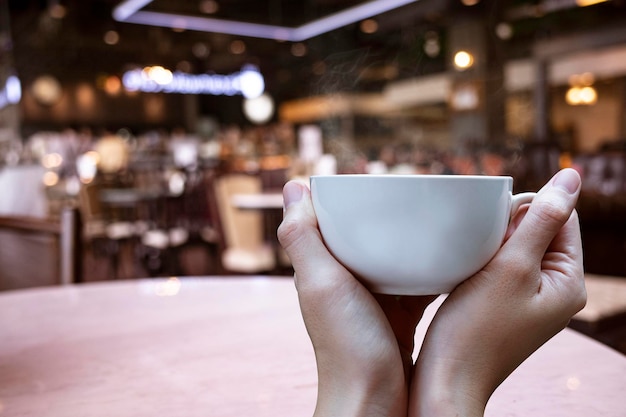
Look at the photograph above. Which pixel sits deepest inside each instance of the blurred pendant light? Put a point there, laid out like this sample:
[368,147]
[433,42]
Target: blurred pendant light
[56,10]
[585,3]
[581,91]
[369,26]
[209,6]
[259,110]
[463,60]
[47,90]
[111,37]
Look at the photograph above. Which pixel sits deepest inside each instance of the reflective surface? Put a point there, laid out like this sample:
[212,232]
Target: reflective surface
[227,346]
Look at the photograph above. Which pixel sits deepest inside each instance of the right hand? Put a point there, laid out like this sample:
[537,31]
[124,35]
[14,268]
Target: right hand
[494,320]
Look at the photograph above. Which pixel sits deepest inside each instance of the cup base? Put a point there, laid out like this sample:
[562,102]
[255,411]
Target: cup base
[388,290]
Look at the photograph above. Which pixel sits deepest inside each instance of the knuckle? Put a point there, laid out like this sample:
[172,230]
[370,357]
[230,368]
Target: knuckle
[517,264]
[289,232]
[550,212]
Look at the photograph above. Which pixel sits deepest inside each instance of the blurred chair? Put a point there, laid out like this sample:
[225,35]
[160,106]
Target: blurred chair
[189,223]
[273,180]
[245,249]
[39,252]
[103,235]
[168,227]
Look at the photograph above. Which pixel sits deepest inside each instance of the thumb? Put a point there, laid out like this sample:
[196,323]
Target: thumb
[548,213]
[300,237]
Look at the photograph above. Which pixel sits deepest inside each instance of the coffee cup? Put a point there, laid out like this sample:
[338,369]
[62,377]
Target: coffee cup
[414,234]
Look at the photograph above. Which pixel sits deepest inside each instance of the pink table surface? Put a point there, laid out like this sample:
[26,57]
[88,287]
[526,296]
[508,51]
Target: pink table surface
[228,346]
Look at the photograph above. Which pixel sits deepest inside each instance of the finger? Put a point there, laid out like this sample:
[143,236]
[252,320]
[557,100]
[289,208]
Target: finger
[300,237]
[516,221]
[568,240]
[564,260]
[549,211]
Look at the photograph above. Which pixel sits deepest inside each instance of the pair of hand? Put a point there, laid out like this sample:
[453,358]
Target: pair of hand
[485,328]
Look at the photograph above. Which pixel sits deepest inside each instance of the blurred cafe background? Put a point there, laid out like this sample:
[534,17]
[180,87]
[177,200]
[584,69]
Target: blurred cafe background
[159,133]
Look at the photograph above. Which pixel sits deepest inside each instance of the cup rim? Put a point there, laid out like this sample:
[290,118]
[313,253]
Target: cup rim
[417,176]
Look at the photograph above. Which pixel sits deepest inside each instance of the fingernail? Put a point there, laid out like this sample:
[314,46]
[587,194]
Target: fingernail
[292,193]
[568,179]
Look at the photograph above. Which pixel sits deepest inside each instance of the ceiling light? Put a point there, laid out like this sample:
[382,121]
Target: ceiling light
[369,26]
[581,96]
[11,93]
[112,85]
[298,49]
[259,110]
[581,80]
[586,79]
[47,90]
[130,11]
[504,30]
[581,92]
[432,46]
[209,6]
[237,47]
[160,75]
[57,11]
[588,95]
[51,160]
[127,8]
[200,50]
[251,82]
[179,24]
[465,97]
[585,3]
[50,178]
[111,37]
[85,96]
[183,66]
[463,60]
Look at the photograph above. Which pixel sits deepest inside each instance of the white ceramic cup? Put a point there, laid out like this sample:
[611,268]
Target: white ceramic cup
[414,234]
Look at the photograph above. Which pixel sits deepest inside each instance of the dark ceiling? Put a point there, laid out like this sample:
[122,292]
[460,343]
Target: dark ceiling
[72,47]
[275,12]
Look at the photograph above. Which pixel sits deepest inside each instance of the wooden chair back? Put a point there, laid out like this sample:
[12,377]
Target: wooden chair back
[241,228]
[38,252]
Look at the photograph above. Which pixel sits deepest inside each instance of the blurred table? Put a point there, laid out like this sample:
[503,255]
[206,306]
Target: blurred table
[228,346]
[262,201]
[270,203]
[128,196]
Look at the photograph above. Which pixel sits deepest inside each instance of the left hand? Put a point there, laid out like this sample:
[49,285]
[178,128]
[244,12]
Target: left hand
[363,342]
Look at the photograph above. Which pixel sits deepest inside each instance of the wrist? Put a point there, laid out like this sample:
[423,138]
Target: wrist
[443,390]
[351,404]
[447,402]
[347,394]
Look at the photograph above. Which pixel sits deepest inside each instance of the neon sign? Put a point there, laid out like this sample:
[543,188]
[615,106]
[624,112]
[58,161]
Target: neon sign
[248,82]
